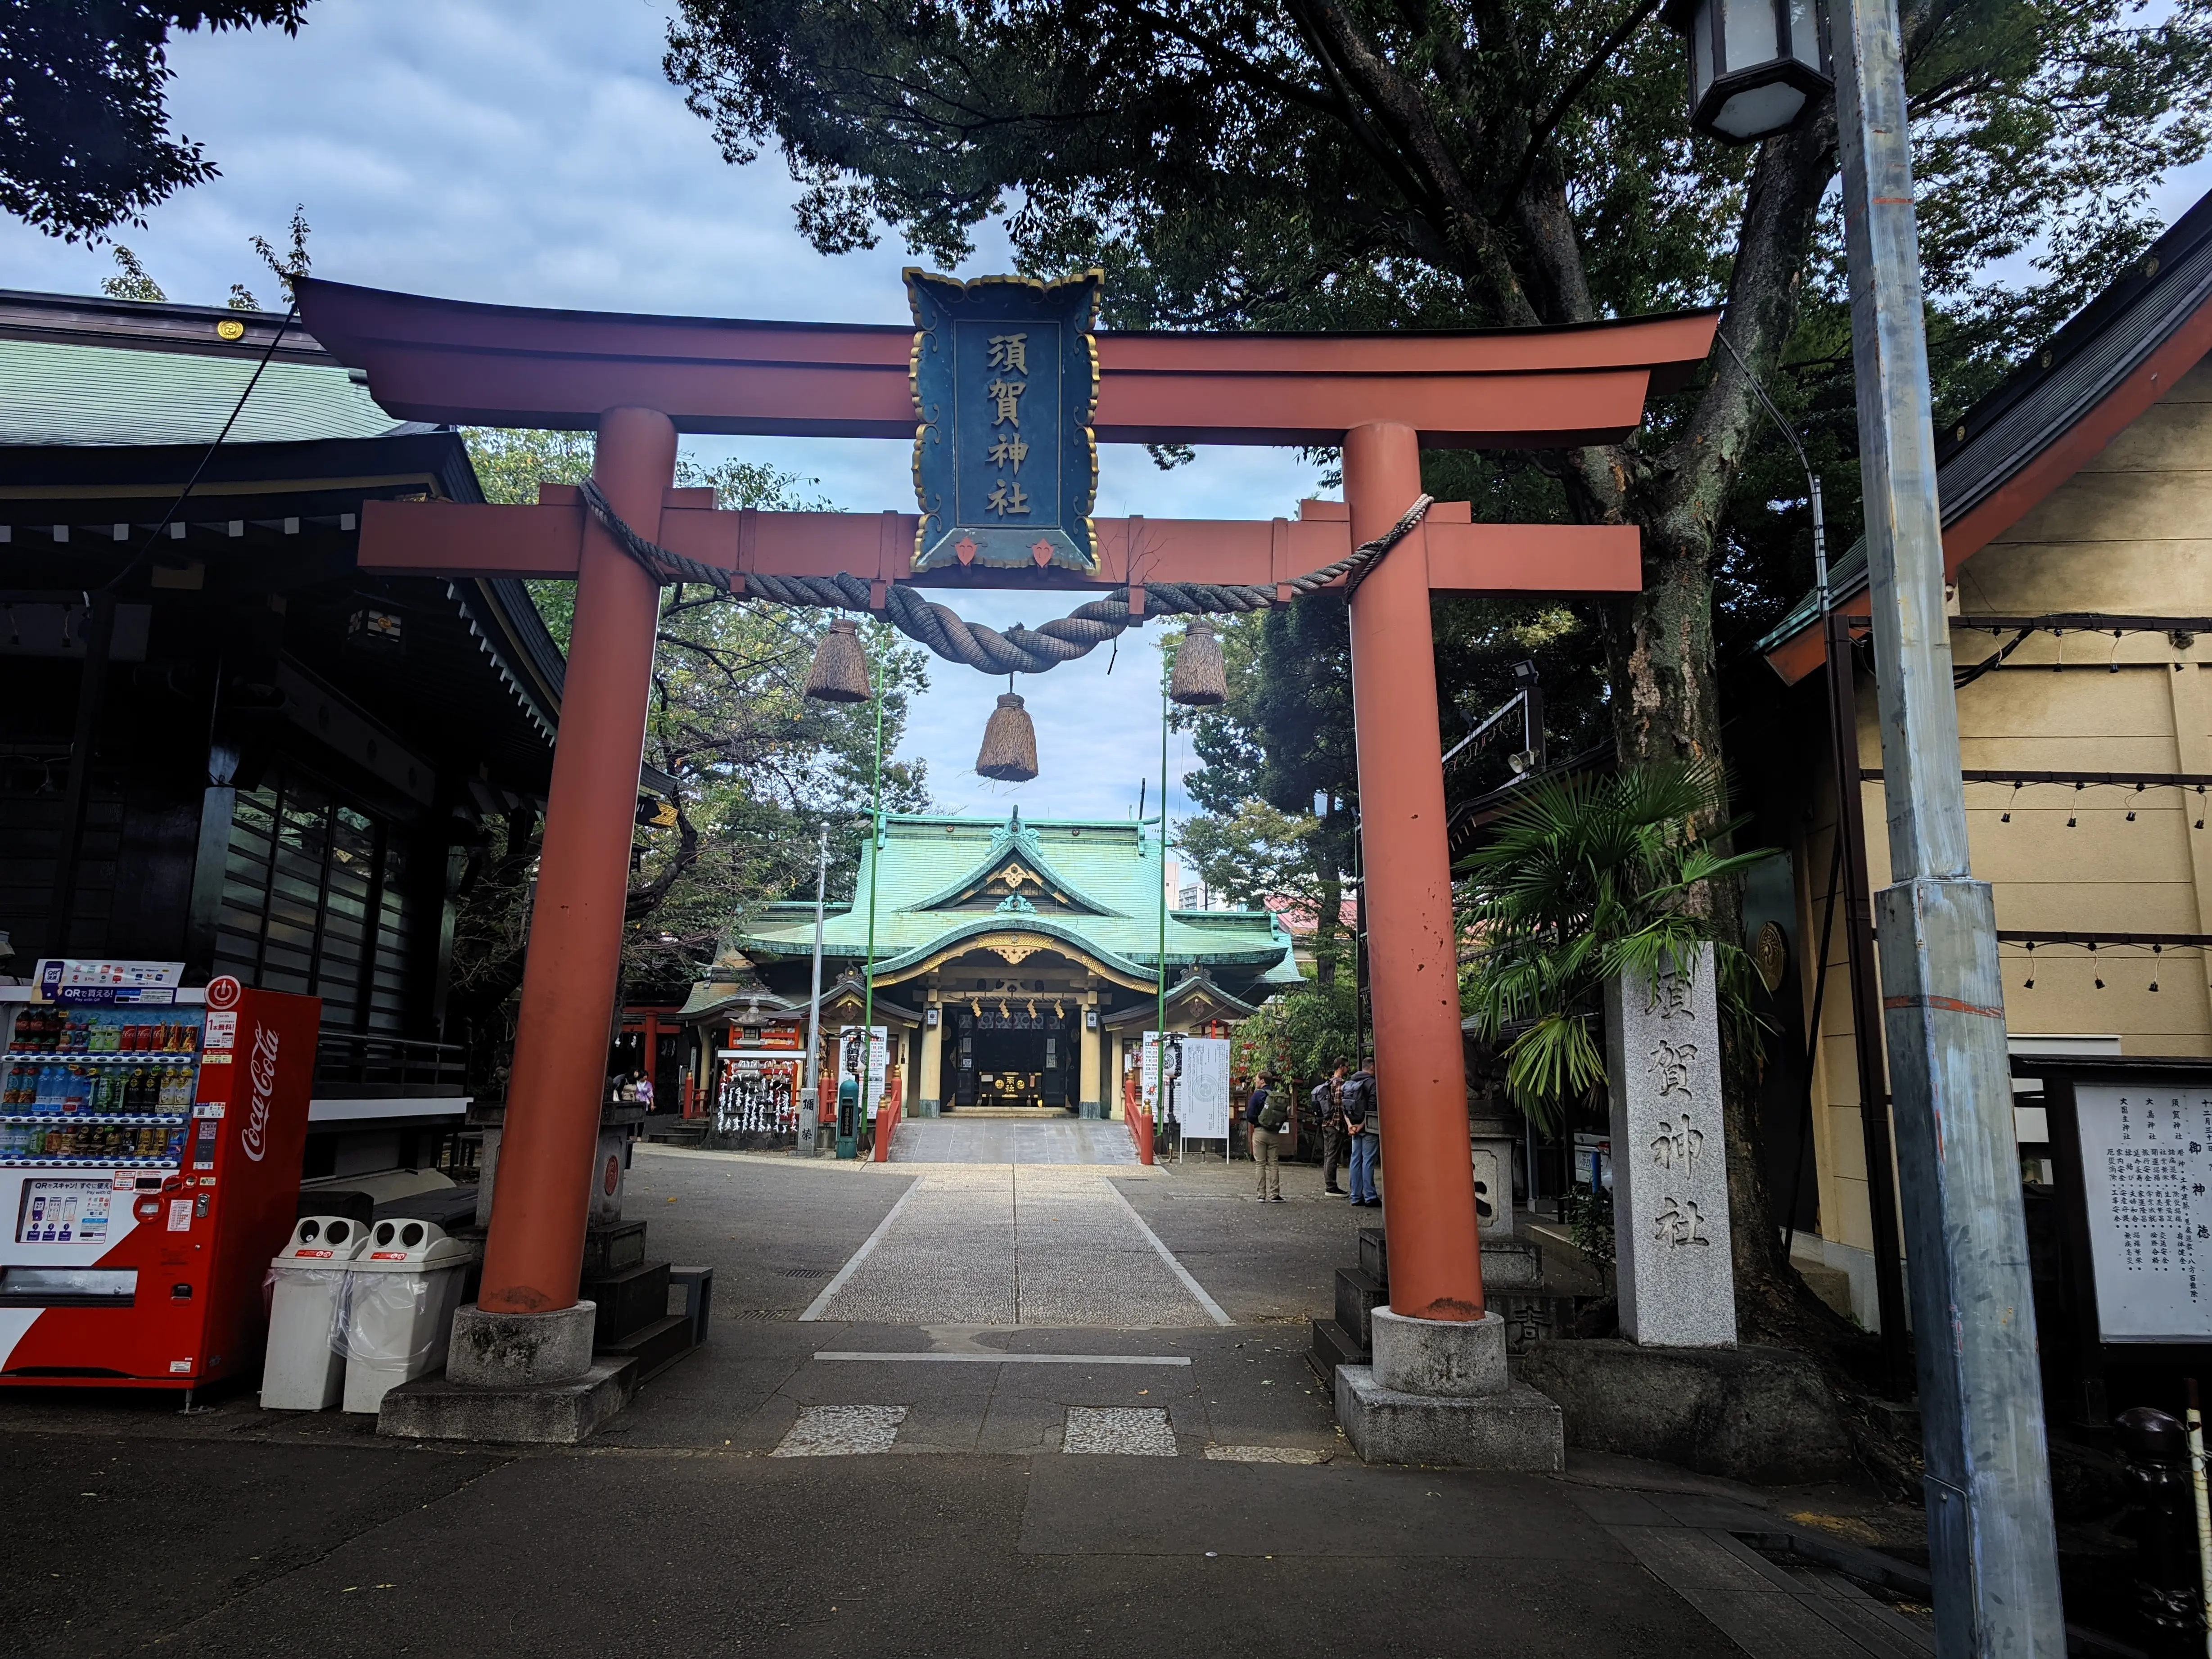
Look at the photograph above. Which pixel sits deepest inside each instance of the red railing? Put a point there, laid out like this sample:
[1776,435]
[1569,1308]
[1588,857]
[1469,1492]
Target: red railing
[888,1113]
[1140,1125]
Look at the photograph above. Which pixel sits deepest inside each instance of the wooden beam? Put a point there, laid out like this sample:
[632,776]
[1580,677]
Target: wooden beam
[448,538]
[444,361]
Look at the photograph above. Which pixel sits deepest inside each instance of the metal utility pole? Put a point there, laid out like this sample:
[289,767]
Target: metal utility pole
[1992,1545]
[810,1099]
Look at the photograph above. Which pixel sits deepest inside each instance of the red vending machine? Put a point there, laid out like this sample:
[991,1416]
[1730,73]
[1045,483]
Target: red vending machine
[150,1142]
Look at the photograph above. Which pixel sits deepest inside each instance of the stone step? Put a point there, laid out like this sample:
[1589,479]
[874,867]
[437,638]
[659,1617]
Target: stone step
[1375,1255]
[628,1300]
[1332,1346]
[1357,1296]
[655,1346]
[1511,1264]
[610,1250]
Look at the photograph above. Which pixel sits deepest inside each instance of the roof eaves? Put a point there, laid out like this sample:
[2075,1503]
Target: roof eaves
[2093,355]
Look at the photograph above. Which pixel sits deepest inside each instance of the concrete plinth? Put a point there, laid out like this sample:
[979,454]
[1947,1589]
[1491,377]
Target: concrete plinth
[1439,1392]
[545,1413]
[1516,1430]
[1452,1359]
[520,1351]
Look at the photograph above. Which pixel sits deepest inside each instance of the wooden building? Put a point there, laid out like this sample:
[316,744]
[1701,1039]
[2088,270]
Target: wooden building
[280,769]
[2077,514]
[1016,963]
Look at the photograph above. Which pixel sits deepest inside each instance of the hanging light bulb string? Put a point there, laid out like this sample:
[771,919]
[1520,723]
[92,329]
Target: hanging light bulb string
[1019,650]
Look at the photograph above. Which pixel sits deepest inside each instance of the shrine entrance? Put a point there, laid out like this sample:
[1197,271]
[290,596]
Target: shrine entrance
[1003,389]
[1013,1056]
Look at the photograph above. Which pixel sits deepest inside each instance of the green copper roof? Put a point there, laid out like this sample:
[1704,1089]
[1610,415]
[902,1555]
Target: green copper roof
[55,393]
[1095,885]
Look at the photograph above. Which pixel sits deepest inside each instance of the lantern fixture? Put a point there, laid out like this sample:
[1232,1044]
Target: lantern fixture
[1756,66]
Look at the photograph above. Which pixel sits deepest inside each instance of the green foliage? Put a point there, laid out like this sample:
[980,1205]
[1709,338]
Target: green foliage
[1300,1033]
[1589,877]
[131,281]
[1589,1216]
[84,120]
[757,768]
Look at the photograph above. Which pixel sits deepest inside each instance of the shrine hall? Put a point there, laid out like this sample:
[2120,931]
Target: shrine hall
[1017,963]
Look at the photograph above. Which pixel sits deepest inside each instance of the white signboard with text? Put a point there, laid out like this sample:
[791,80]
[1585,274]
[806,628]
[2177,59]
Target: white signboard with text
[1197,1084]
[2146,1180]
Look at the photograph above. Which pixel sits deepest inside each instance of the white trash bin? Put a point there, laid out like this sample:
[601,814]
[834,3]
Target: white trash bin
[303,1371]
[401,1295]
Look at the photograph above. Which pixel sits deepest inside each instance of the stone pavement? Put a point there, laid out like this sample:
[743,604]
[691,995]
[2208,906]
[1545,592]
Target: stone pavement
[1010,1140]
[1011,1244]
[890,1485]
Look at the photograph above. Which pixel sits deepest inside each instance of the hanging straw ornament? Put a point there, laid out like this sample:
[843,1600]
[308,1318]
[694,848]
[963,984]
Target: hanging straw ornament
[1201,679]
[840,671]
[1009,751]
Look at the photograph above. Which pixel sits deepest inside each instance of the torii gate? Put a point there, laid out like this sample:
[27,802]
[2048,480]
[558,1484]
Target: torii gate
[637,381]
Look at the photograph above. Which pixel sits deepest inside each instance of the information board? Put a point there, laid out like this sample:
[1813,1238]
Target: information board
[1202,1095]
[2146,1180]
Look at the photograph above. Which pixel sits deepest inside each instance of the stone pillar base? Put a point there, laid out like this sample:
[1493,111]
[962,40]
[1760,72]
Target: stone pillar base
[544,1414]
[520,1351]
[925,1109]
[514,1377]
[1439,1392]
[1517,1431]
[1093,1112]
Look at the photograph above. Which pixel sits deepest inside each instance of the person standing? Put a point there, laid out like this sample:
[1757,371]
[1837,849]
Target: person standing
[1364,1121]
[1328,1102]
[1266,1113]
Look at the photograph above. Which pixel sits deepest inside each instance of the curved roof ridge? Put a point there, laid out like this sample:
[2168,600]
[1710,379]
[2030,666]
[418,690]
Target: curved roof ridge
[1012,836]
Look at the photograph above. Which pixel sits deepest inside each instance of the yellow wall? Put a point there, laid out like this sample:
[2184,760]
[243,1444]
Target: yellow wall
[2129,534]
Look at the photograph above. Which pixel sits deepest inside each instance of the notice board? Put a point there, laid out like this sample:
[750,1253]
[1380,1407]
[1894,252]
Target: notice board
[2147,1186]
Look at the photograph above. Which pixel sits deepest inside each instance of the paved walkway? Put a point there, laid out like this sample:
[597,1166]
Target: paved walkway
[1008,1244]
[899,1477]
[1009,1140]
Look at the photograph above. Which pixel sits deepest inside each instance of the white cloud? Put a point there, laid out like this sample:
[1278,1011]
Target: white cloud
[531,153]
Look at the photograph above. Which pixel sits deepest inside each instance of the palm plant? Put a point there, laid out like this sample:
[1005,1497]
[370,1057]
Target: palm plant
[1586,877]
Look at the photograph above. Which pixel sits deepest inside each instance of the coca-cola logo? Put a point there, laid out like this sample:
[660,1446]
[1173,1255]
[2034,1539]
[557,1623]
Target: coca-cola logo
[261,1073]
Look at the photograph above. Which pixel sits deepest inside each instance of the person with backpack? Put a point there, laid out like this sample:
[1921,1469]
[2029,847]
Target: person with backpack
[1365,1121]
[1268,1114]
[1328,1102]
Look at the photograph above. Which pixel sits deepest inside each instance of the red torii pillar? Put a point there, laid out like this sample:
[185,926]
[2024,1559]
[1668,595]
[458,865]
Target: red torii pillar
[533,1256]
[1412,964]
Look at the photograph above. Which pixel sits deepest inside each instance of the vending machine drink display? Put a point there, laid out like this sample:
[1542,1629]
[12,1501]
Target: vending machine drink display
[150,1139]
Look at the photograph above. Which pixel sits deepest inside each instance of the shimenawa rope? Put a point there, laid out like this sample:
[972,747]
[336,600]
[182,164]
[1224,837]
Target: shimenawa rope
[1017,650]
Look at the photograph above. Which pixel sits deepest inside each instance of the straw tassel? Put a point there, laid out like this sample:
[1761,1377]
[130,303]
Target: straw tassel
[1201,678]
[1009,751]
[840,671]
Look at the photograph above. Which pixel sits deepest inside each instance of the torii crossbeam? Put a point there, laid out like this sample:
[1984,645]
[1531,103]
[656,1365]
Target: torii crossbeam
[638,381]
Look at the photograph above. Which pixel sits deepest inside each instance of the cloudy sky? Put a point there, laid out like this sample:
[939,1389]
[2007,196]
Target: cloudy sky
[531,152]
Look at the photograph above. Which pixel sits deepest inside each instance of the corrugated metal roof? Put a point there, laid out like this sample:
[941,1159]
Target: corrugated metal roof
[53,394]
[2084,363]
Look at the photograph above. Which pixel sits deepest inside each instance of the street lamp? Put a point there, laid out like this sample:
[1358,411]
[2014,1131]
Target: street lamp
[1755,65]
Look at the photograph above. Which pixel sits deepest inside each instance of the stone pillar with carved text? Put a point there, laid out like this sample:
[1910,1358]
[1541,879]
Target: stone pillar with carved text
[1670,1212]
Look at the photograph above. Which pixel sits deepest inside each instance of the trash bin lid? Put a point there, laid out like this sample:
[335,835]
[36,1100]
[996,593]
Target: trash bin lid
[321,1240]
[404,1246]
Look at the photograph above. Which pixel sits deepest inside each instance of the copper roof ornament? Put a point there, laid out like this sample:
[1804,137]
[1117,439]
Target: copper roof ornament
[840,671]
[1201,677]
[1009,752]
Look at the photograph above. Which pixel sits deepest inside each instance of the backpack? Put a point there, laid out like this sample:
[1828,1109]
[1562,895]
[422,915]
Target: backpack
[1318,1099]
[1274,1113]
[1359,1102]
